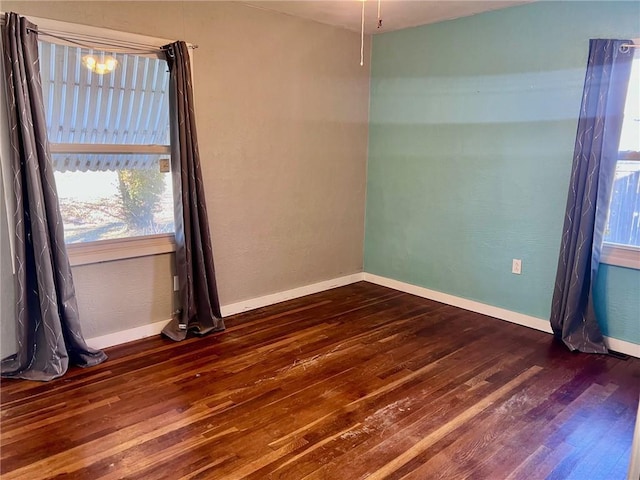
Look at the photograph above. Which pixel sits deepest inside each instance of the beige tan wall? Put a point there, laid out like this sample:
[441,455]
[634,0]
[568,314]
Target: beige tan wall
[282,109]
[143,293]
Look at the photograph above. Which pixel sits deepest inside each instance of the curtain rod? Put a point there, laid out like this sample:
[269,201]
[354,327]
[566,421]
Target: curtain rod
[100,42]
[635,43]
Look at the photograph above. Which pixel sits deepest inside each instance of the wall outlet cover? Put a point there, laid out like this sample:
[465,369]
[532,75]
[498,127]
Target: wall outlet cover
[516,266]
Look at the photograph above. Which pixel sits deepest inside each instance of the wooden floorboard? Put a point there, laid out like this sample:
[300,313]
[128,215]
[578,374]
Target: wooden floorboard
[357,382]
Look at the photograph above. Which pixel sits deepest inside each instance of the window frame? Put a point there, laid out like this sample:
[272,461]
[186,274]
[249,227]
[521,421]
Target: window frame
[620,255]
[122,248]
[98,251]
[615,254]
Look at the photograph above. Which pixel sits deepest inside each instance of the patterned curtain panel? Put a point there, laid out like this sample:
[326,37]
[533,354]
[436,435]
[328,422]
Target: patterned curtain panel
[48,327]
[200,311]
[594,160]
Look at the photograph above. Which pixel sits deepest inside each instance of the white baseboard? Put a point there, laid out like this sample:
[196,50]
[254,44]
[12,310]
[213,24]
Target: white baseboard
[274,298]
[465,304]
[129,335]
[623,346]
[144,331]
[543,325]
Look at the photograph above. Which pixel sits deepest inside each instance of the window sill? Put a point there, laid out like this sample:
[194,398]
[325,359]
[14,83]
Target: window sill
[120,249]
[620,255]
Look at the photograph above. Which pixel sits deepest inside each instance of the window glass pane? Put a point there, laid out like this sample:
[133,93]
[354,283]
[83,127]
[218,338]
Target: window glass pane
[623,226]
[108,98]
[114,203]
[630,137]
[125,105]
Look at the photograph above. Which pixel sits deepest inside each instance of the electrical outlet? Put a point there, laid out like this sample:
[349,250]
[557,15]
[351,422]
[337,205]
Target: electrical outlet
[176,285]
[516,266]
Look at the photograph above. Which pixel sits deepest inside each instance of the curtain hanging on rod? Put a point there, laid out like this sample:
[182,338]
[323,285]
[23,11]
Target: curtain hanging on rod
[48,330]
[200,306]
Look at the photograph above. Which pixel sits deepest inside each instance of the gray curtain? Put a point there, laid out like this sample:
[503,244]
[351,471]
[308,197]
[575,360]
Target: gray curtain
[48,327]
[200,307]
[573,317]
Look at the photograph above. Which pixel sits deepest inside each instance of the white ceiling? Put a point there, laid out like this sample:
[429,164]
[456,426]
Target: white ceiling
[395,14]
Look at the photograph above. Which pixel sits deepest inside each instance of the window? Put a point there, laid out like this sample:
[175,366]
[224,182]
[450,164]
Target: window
[107,117]
[622,233]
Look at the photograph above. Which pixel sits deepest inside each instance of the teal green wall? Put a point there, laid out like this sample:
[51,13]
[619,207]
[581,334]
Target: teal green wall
[471,135]
[617,301]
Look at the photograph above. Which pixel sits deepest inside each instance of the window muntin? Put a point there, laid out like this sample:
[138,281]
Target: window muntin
[109,138]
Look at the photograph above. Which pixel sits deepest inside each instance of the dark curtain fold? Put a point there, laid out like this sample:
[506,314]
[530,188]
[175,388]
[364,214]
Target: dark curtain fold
[573,317]
[48,327]
[200,307]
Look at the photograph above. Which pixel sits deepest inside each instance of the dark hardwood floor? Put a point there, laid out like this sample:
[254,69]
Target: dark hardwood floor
[357,382]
